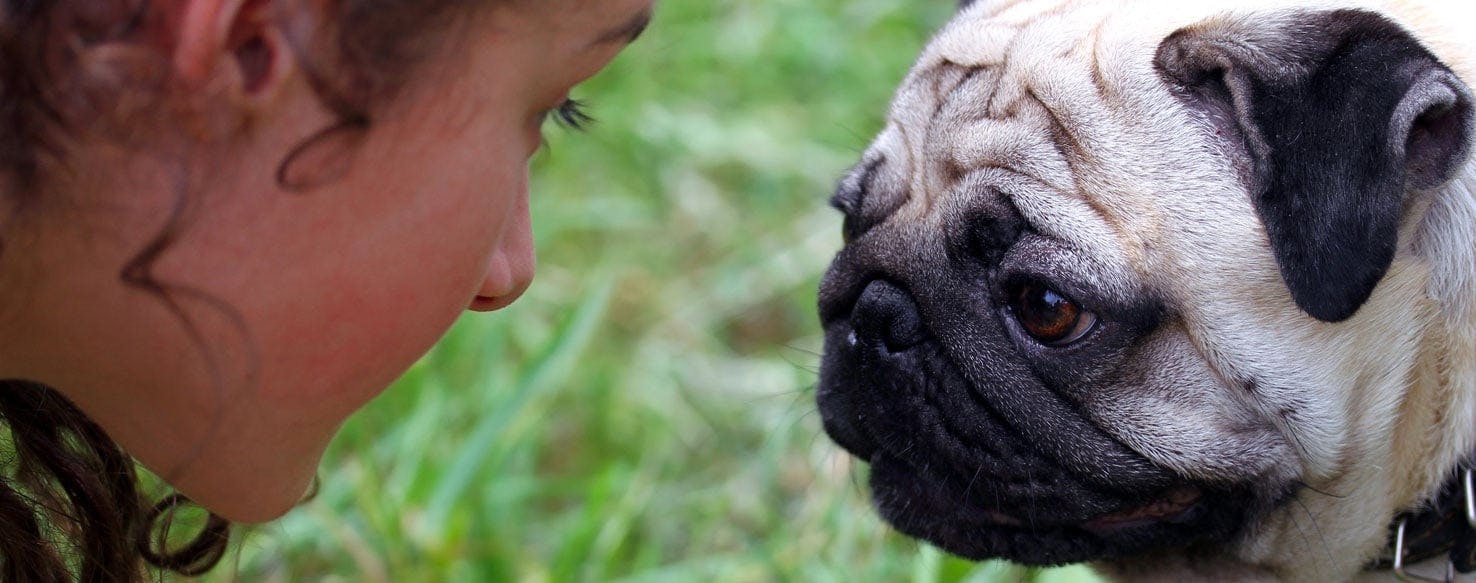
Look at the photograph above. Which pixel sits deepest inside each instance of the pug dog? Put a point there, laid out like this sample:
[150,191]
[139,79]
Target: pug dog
[1183,289]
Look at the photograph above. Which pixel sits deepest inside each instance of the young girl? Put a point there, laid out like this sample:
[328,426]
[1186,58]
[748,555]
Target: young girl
[225,225]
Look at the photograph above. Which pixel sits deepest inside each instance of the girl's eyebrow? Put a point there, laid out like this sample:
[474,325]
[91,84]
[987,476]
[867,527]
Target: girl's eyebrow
[626,33]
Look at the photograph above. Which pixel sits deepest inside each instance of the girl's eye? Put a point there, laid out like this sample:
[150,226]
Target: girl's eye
[1049,317]
[571,114]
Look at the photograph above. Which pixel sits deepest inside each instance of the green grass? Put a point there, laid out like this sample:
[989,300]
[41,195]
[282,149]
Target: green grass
[646,412]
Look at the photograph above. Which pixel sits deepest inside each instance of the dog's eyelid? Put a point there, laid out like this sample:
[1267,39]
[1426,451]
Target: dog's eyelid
[847,197]
[842,202]
[1087,325]
[1067,286]
[850,194]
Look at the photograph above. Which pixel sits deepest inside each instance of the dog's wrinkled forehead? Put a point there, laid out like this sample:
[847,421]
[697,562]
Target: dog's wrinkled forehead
[1059,113]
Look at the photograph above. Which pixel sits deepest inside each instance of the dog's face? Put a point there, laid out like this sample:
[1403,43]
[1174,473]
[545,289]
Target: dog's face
[1123,277]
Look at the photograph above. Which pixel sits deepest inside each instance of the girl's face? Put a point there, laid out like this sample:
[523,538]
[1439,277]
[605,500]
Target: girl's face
[302,304]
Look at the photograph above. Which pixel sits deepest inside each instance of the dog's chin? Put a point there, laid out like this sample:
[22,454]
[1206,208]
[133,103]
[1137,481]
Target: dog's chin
[964,522]
[982,491]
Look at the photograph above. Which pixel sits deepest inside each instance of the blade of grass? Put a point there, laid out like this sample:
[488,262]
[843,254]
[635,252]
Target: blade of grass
[543,375]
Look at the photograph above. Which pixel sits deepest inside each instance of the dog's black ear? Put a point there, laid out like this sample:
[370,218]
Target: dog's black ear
[1334,118]
[962,4]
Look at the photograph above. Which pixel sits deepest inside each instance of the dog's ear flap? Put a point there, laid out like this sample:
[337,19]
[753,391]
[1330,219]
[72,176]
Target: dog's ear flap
[1334,117]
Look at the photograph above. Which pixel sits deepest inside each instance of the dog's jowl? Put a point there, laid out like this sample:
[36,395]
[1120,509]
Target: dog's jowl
[1186,289]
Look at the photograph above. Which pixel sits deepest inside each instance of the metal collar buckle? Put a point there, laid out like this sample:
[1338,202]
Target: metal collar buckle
[1400,570]
[1470,497]
[1404,574]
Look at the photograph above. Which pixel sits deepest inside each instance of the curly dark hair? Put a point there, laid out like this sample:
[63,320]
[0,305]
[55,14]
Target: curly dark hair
[71,504]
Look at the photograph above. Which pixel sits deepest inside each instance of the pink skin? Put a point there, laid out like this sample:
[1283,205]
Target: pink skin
[338,289]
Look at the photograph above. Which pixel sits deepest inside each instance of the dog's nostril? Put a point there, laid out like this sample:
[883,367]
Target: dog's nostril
[887,315]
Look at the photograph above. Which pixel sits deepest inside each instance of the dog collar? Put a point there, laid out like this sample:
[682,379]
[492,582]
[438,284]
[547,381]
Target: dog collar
[1447,527]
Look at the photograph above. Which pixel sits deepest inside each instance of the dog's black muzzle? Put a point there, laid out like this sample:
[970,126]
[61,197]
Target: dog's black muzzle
[971,450]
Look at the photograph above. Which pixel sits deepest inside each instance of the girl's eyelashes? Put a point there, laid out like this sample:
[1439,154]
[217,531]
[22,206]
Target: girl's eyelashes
[572,114]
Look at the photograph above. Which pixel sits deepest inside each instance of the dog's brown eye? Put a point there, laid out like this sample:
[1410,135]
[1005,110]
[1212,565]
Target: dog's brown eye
[1049,317]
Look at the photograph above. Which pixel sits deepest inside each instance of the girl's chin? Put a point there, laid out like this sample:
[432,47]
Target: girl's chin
[249,490]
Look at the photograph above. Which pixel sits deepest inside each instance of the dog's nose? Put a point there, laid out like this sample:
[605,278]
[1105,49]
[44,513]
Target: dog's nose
[886,315]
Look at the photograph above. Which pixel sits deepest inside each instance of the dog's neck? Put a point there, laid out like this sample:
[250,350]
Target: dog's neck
[1442,433]
[1448,358]
[1453,287]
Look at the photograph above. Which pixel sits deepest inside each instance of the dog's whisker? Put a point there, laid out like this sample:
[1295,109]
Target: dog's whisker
[1297,524]
[797,396]
[972,480]
[1297,441]
[1030,513]
[1326,548]
[806,415]
[852,470]
[1305,486]
[803,350]
[809,368]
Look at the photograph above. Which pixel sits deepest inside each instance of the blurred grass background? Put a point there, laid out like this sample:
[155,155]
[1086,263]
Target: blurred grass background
[646,412]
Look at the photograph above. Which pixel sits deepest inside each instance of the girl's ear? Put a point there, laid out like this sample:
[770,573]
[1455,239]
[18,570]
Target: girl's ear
[233,45]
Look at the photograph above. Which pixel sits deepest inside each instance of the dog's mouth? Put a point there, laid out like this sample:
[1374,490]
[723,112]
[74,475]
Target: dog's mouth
[1177,506]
